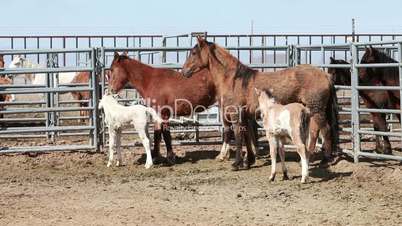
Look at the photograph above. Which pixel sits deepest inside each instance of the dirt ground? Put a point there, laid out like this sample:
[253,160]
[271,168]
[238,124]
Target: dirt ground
[78,189]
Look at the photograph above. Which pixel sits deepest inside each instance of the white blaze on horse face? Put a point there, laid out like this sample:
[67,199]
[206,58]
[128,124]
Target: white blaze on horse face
[16,63]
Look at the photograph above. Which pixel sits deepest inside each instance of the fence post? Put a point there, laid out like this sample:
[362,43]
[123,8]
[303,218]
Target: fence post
[400,78]
[355,103]
[94,100]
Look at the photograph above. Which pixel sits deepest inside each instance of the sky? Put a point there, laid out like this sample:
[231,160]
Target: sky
[172,17]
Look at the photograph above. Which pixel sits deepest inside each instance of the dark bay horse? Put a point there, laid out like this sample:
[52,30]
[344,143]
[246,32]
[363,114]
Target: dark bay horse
[235,84]
[379,99]
[166,90]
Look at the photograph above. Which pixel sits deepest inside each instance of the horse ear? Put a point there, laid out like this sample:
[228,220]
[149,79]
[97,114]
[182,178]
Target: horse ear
[257,91]
[370,50]
[116,55]
[201,41]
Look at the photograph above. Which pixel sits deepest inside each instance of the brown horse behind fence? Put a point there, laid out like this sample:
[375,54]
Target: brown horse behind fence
[235,84]
[165,90]
[377,99]
[4,97]
[1,61]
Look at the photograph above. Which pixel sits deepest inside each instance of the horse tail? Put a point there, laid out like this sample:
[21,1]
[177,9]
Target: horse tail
[304,125]
[154,115]
[332,117]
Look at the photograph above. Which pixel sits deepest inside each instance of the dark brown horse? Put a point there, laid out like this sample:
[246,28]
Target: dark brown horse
[378,99]
[235,84]
[165,90]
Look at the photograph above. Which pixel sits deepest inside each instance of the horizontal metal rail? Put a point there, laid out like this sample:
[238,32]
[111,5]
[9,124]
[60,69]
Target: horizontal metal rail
[40,110]
[44,70]
[44,129]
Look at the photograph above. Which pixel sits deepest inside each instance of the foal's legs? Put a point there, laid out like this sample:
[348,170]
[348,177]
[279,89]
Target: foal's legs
[304,155]
[118,144]
[112,142]
[281,147]
[273,145]
[144,136]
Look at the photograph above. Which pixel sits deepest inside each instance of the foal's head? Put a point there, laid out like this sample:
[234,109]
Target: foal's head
[265,98]
[198,58]
[340,76]
[118,75]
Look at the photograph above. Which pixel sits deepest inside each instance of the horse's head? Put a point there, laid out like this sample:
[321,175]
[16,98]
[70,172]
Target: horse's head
[340,76]
[17,62]
[371,55]
[198,58]
[1,61]
[118,75]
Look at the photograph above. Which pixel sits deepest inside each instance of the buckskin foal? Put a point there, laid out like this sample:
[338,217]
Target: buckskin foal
[235,85]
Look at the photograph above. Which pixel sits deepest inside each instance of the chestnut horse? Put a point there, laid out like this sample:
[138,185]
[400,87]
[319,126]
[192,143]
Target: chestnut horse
[82,78]
[4,97]
[379,99]
[165,90]
[1,61]
[235,84]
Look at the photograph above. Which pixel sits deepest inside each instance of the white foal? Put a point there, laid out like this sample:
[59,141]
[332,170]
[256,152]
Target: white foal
[282,122]
[117,116]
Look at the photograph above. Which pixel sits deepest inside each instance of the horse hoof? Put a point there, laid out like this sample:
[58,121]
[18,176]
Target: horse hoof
[237,166]
[171,159]
[285,176]
[147,166]
[271,178]
[219,158]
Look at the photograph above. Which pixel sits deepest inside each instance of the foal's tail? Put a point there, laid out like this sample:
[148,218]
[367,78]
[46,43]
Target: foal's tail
[154,115]
[332,117]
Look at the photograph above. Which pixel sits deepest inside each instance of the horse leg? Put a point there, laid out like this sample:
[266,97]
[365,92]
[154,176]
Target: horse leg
[382,142]
[238,140]
[282,157]
[225,154]
[112,139]
[157,142]
[250,158]
[170,156]
[314,130]
[273,145]
[118,150]
[253,131]
[143,134]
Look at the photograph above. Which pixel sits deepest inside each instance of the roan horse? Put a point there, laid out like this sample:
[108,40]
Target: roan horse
[379,99]
[235,84]
[165,90]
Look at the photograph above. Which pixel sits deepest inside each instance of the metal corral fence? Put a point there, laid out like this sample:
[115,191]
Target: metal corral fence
[39,114]
[358,124]
[264,52]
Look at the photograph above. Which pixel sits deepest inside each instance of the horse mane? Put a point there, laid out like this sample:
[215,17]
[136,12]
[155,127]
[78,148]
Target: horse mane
[381,56]
[242,72]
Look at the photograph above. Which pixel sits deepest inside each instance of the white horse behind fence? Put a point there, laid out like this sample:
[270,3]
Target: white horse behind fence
[39,78]
[117,116]
[282,122]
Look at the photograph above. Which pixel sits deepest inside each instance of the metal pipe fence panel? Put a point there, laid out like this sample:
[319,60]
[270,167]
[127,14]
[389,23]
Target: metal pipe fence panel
[43,113]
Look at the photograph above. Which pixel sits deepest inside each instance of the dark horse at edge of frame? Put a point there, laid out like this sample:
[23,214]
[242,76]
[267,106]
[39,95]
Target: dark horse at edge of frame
[164,88]
[378,99]
[235,84]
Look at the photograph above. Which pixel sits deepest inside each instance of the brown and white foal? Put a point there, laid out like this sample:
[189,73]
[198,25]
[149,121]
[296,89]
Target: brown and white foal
[282,122]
